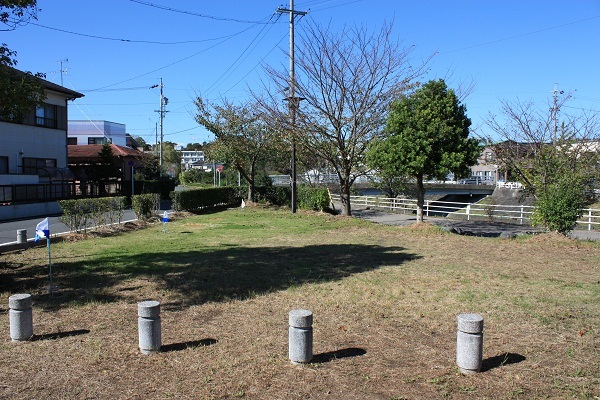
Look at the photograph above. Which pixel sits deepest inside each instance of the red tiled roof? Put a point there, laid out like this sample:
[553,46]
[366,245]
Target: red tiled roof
[91,151]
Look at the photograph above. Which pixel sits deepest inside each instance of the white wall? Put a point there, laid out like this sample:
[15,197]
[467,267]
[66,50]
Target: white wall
[32,141]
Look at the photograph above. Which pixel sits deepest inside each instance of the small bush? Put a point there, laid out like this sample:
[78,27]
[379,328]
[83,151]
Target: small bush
[145,205]
[275,195]
[558,208]
[311,198]
[80,214]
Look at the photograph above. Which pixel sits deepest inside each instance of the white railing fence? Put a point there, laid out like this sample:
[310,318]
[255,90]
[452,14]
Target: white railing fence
[520,214]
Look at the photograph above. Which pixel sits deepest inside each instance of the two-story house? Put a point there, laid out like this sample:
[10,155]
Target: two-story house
[33,155]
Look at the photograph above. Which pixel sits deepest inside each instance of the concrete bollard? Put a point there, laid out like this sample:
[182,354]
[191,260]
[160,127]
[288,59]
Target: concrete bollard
[469,343]
[21,236]
[149,326]
[301,336]
[21,317]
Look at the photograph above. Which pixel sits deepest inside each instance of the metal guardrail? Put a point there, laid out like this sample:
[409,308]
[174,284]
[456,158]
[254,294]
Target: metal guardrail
[520,214]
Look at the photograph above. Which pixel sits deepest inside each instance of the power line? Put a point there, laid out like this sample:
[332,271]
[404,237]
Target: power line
[122,40]
[521,35]
[247,49]
[319,3]
[173,63]
[257,64]
[243,21]
[115,89]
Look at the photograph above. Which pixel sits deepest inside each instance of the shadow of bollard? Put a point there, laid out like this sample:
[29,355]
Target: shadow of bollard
[501,360]
[59,335]
[187,345]
[337,354]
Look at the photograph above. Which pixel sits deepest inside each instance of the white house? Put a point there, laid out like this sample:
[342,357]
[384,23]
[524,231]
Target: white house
[192,159]
[34,150]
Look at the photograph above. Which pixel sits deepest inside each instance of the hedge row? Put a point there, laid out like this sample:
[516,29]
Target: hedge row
[204,198]
[81,214]
[309,198]
[163,186]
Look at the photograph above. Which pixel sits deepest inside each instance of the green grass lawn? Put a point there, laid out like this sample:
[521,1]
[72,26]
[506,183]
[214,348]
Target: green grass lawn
[385,301]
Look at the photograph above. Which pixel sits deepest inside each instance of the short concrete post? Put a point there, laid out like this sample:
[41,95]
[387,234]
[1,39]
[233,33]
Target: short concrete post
[21,317]
[469,343]
[149,326]
[21,236]
[301,336]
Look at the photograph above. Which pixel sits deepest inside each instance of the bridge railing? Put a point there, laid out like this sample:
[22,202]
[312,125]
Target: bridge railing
[519,214]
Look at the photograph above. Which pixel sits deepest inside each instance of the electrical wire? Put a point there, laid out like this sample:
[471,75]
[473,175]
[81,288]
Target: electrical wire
[521,35]
[246,51]
[335,6]
[114,90]
[257,64]
[129,40]
[243,21]
[173,63]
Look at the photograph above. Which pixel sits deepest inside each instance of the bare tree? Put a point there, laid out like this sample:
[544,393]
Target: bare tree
[242,139]
[554,154]
[345,81]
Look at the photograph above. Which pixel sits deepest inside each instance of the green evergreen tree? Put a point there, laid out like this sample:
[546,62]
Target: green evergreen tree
[427,136]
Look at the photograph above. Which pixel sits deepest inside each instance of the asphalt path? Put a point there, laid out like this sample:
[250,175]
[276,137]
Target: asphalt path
[8,230]
[471,228]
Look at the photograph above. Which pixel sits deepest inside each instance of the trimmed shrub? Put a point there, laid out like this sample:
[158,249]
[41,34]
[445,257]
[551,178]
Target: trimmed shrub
[275,195]
[195,200]
[80,214]
[313,198]
[145,205]
[164,187]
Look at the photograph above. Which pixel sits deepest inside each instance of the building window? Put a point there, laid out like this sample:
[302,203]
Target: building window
[45,116]
[3,165]
[36,166]
[72,141]
[97,140]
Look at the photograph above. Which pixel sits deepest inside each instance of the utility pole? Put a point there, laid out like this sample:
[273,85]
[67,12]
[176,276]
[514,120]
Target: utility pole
[62,70]
[161,111]
[293,101]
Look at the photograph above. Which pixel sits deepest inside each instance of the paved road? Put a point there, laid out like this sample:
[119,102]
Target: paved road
[473,228]
[8,230]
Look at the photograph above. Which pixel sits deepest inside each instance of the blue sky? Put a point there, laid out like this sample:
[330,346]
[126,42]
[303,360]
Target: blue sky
[118,49]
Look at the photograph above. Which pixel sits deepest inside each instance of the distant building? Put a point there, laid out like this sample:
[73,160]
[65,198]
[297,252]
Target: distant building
[97,132]
[487,167]
[192,159]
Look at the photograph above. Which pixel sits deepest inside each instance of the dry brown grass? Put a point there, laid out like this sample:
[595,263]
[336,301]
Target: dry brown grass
[385,301]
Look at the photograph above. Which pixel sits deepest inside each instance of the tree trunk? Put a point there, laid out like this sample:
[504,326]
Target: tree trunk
[420,199]
[345,197]
[251,191]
